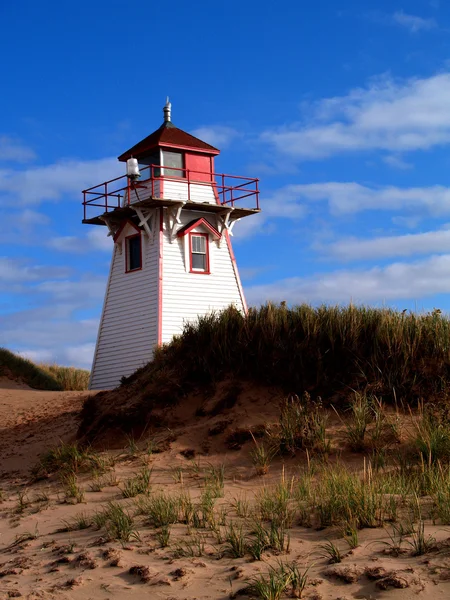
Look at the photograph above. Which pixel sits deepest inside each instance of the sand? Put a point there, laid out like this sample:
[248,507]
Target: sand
[40,560]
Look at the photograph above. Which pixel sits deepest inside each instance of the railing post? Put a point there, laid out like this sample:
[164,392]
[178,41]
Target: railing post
[188,177]
[84,206]
[223,188]
[257,194]
[106,196]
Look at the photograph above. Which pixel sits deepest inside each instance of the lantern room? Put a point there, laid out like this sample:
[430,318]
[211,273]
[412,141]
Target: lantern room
[173,153]
[171,169]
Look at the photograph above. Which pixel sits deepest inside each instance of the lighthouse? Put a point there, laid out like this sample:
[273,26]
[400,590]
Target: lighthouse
[170,217]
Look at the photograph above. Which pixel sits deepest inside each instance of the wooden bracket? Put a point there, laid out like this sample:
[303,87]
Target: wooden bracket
[224,221]
[146,221]
[174,213]
[112,229]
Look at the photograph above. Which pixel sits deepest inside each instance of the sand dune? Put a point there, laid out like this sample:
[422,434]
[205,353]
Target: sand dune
[38,559]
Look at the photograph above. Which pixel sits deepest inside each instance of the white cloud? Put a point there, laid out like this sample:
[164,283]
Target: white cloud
[38,356]
[397,162]
[410,222]
[14,270]
[80,356]
[397,281]
[53,182]
[395,116]
[430,242]
[12,150]
[88,288]
[22,226]
[95,239]
[412,22]
[248,273]
[352,197]
[283,203]
[218,136]
[72,356]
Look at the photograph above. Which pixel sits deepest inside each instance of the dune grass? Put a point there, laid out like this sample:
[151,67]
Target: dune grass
[329,351]
[320,349]
[27,372]
[69,378]
[43,376]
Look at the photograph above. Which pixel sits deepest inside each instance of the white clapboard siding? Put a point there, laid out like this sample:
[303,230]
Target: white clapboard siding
[188,295]
[128,329]
[173,190]
[194,192]
[145,190]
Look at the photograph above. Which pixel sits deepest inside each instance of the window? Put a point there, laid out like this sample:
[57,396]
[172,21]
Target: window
[199,253]
[174,160]
[133,253]
[144,163]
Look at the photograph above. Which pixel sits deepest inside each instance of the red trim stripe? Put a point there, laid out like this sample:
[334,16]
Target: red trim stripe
[160,282]
[197,223]
[122,227]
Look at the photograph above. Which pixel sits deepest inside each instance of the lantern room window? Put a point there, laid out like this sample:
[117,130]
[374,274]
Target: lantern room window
[133,253]
[199,252]
[150,160]
[175,160]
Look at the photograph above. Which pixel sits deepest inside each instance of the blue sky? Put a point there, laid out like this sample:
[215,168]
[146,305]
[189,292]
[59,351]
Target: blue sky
[341,108]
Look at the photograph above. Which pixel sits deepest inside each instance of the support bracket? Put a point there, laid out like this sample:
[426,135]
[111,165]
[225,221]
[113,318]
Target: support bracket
[174,213]
[112,229]
[224,221]
[147,221]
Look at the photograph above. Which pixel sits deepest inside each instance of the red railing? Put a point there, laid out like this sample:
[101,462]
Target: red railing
[121,191]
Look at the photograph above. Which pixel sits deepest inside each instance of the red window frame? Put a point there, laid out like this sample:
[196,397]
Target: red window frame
[127,263]
[199,271]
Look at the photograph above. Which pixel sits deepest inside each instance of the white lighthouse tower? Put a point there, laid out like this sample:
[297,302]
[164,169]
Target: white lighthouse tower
[171,218]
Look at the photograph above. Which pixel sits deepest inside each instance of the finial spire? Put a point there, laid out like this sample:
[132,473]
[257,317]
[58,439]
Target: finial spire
[167,111]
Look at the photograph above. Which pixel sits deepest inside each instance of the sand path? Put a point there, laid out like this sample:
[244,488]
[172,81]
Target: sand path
[31,421]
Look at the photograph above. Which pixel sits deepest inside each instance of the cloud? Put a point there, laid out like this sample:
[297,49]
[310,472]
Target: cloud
[38,356]
[410,222]
[397,281]
[219,136]
[65,178]
[412,22]
[95,239]
[25,226]
[14,270]
[90,287]
[430,242]
[248,273]
[283,203]
[351,197]
[12,150]
[397,162]
[52,330]
[77,356]
[388,115]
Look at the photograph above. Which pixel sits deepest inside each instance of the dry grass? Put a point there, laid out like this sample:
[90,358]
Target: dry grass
[68,378]
[331,351]
[26,371]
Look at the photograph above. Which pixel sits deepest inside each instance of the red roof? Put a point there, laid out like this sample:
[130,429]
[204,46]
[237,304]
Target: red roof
[196,223]
[170,136]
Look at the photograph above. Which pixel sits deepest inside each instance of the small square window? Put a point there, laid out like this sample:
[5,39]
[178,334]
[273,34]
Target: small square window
[174,160]
[151,160]
[133,253]
[199,252]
